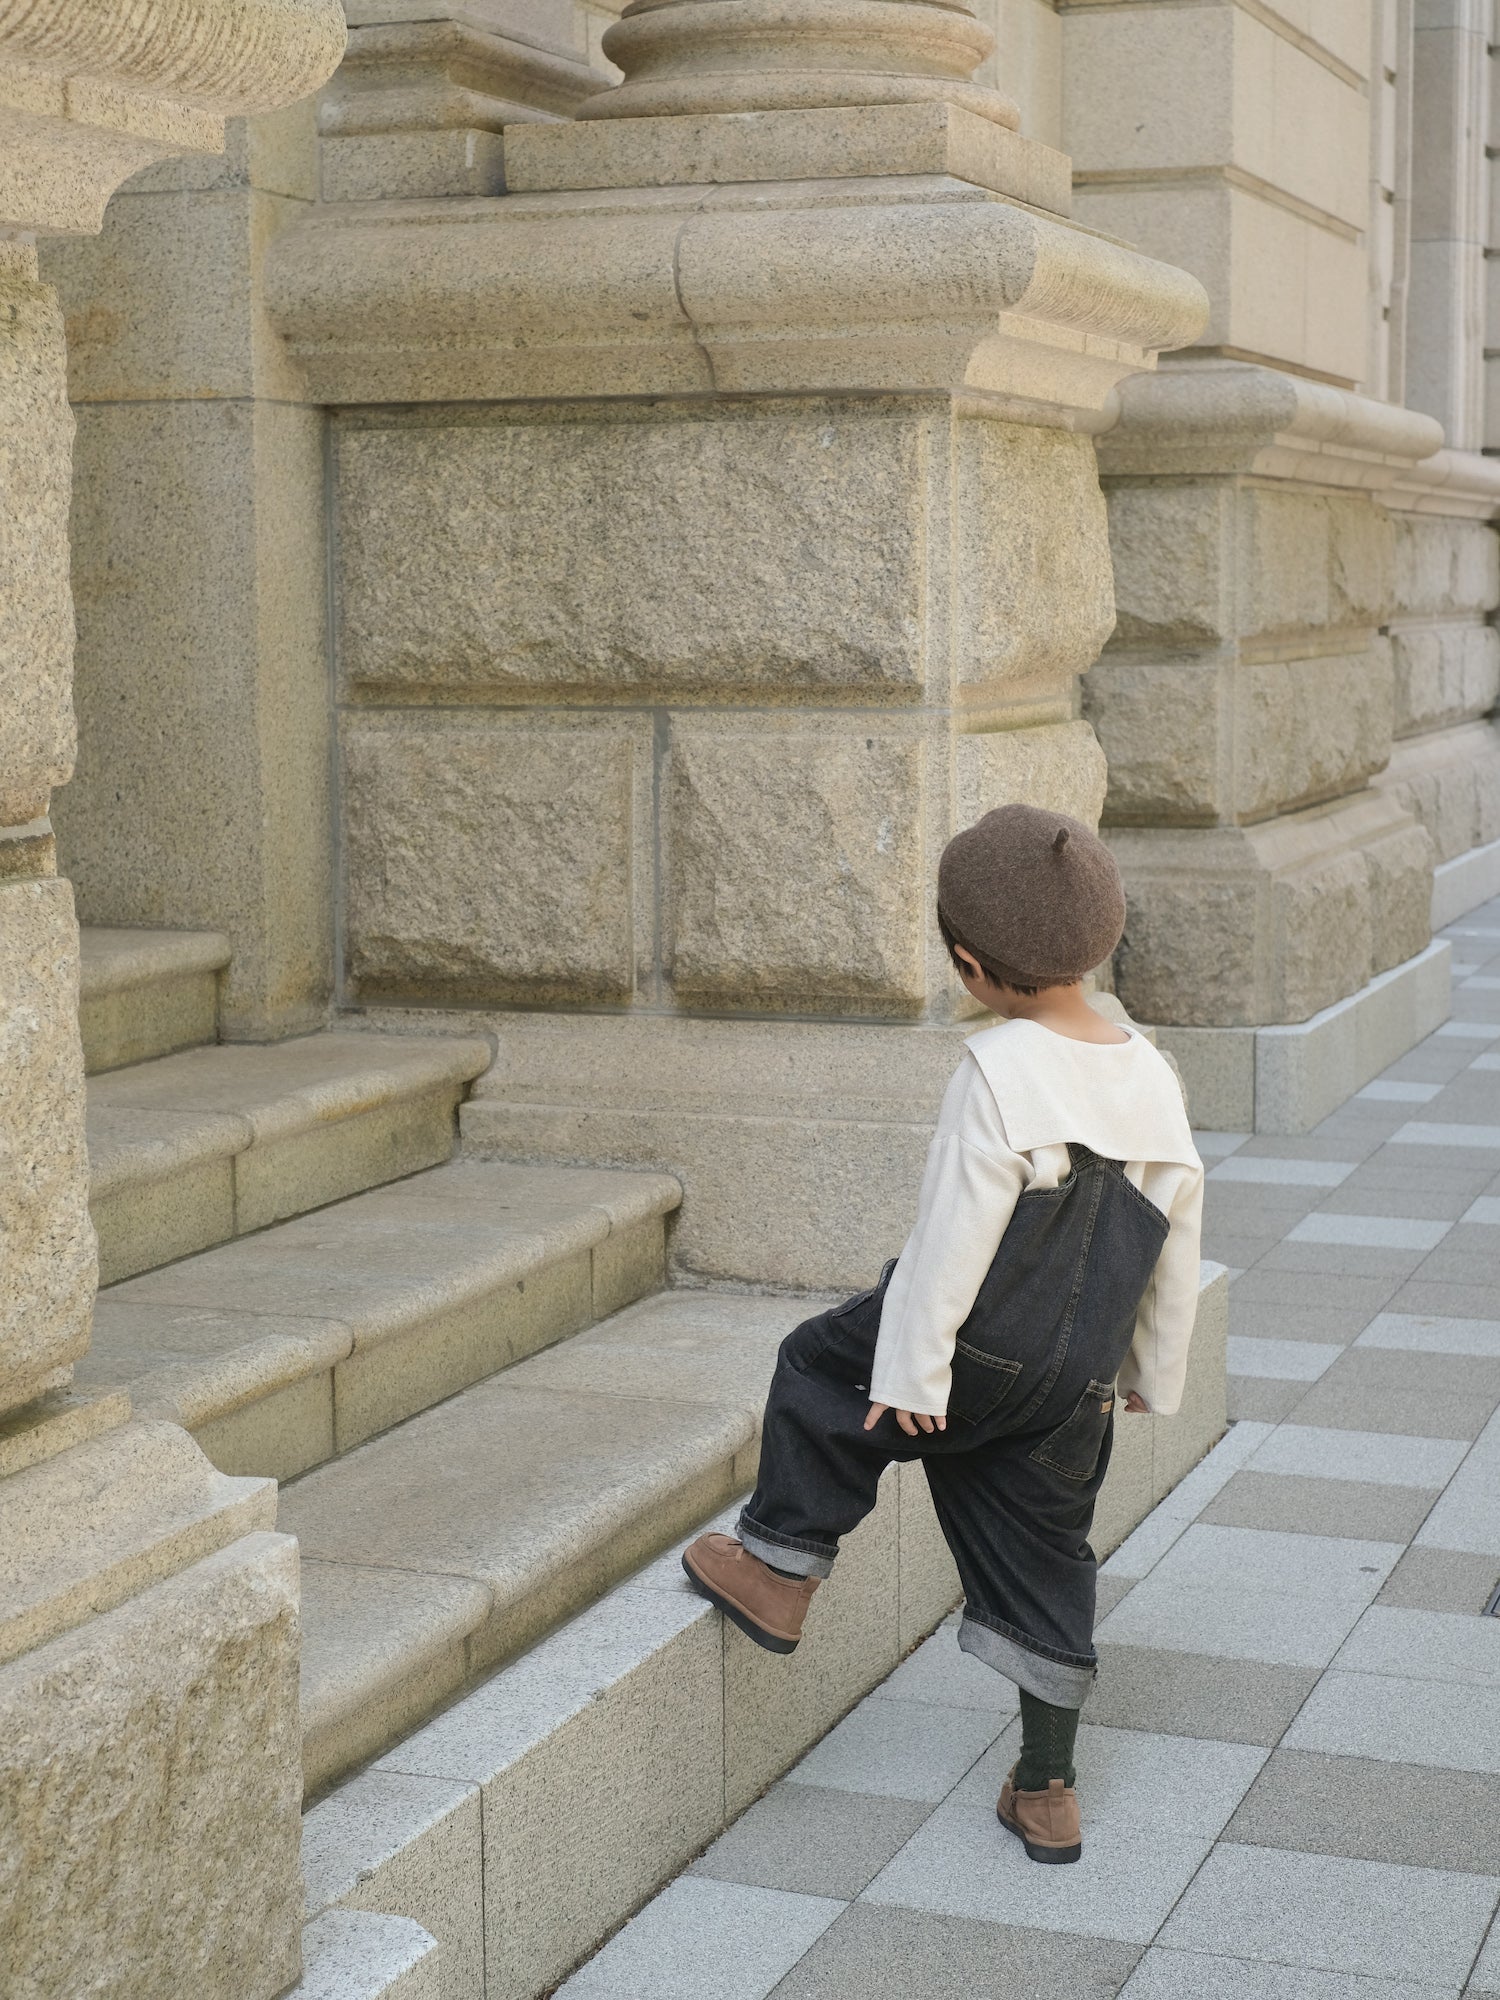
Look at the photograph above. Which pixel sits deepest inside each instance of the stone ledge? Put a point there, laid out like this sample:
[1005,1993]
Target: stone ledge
[557,1796]
[1287,1079]
[879,284]
[1458,484]
[349,1956]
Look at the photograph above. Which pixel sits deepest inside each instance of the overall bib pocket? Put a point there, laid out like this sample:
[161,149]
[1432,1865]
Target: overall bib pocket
[1073,1448]
[981,1382]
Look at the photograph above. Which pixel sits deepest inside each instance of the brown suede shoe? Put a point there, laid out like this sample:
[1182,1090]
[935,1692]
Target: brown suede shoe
[1046,1823]
[767,1608]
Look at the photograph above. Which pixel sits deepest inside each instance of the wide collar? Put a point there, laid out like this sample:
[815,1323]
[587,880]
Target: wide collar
[1121,1099]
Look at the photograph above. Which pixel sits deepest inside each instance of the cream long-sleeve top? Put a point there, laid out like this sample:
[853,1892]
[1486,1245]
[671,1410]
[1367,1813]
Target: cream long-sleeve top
[1020,1094]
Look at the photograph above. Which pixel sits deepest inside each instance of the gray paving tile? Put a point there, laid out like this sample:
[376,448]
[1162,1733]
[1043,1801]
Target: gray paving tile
[1452,1724]
[1373,1195]
[1433,1333]
[1445,1300]
[812,1841]
[1341,1916]
[1109,1590]
[1194,1694]
[1216,1145]
[1371,1809]
[1442,1580]
[1383,1091]
[1297,1505]
[873,1952]
[1403,1394]
[1262,1399]
[1310,1291]
[1340,1260]
[1263,1320]
[1380,1232]
[1424,1645]
[899,1750]
[1427,1132]
[704,1940]
[1194,1975]
[1281,1360]
[939,1674]
[1466,1256]
[1365,1456]
[1433,1169]
[1246,1166]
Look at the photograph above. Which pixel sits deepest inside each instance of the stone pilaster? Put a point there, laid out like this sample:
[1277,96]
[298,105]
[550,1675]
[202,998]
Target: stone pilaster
[148,1638]
[730,534]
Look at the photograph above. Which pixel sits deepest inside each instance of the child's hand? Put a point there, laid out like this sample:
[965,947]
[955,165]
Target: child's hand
[1137,1404]
[911,1421]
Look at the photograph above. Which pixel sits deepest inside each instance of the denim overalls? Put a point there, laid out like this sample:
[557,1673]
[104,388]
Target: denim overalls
[1015,1475]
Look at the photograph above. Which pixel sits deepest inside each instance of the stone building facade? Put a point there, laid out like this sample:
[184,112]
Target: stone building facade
[567,516]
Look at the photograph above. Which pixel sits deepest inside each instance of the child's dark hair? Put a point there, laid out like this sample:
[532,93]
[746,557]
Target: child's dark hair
[1001,975]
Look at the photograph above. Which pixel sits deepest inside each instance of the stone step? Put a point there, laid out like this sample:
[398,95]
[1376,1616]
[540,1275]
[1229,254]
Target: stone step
[352,1955]
[452,1543]
[192,1149]
[285,1348]
[539,1810]
[147,993]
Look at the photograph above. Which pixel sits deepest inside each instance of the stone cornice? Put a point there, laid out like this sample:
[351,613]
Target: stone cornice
[1230,416]
[89,95]
[878,285]
[1458,484]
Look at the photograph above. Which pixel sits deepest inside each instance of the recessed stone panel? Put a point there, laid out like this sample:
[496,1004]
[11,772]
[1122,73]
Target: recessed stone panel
[1445,565]
[1444,674]
[1032,556]
[795,868]
[773,552]
[1309,729]
[490,858]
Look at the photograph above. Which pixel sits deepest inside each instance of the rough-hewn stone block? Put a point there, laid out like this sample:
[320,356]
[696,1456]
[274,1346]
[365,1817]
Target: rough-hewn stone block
[795,865]
[47,1269]
[150,1789]
[1444,674]
[1445,565]
[753,550]
[503,860]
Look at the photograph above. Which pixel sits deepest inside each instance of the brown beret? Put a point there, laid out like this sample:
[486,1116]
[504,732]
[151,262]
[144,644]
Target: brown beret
[1033,893]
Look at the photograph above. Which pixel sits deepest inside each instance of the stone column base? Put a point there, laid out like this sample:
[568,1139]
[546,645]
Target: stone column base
[1288,1079]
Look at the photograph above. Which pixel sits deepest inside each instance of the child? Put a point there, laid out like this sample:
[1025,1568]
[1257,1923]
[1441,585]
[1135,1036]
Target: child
[1055,1251]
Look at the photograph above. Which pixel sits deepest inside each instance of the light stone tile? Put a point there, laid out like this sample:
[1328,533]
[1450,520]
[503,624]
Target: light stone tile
[1488,1061]
[1424,1645]
[1485,1978]
[1374,1232]
[1309,1452]
[1321,1567]
[899,1750]
[1452,1724]
[1432,1333]
[705,1940]
[1470,1031]
[963,1863]
[1486,1209]
[1165,1974]
[1334,1915]
[1418,1133]
[1280,1360]
[1384,1091]
[1171,1517]
[1285,1173]
[1477,980]
[941,1676]
[1467,1514]
[1136,1778]
[1229,1624]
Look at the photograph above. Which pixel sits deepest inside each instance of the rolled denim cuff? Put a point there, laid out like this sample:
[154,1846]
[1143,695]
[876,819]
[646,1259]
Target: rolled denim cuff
[1064,1680]
[801,1558]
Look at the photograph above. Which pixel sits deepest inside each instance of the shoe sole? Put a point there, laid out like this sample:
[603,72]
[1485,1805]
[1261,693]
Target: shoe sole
[733,1613]
[1052,1856]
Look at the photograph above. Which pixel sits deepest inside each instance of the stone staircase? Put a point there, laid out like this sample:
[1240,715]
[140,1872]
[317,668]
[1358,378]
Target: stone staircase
[490,1423]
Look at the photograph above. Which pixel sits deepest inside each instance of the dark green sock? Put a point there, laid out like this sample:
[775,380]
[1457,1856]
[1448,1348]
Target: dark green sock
[1047,1736]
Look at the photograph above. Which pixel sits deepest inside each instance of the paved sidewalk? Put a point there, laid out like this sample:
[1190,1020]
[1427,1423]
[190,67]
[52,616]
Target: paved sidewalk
[1290,1769]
